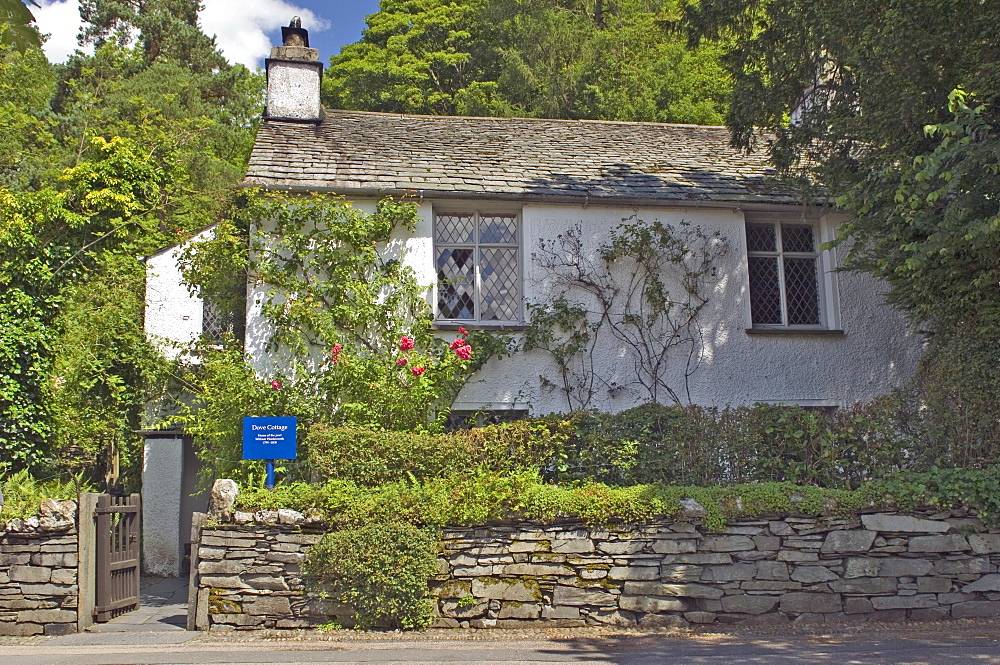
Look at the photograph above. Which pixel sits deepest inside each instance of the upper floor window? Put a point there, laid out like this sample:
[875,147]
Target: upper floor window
[477,258]
[783,261]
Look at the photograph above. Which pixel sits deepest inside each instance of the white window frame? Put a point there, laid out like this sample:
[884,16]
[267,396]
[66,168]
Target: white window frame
[478,211]
[826,287]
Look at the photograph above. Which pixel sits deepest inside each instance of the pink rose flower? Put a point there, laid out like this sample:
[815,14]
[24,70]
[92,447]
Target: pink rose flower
[402,361]
[457,344]
[464,352]
[462,331]
[276,385]
[405,343]
[417,371]
[335,354]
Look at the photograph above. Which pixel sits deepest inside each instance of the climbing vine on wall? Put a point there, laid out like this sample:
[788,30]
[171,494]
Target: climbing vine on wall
[345,336]
[640,293]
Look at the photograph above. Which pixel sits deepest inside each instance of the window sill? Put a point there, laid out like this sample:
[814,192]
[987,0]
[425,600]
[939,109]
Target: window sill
[509,327]
[795,331]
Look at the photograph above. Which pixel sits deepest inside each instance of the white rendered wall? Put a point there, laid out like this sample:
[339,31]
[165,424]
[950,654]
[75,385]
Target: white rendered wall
[875,353]
[173,314]
[293,90]
[162,489]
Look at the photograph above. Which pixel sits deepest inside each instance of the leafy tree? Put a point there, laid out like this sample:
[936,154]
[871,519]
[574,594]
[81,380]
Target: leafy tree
[861,78]
[132,148]
[551,58]
[891,109]
[165,29]
[867,87]
[15,26]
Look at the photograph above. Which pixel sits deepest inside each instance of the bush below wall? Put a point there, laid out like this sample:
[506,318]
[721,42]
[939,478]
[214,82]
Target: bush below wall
[922,566]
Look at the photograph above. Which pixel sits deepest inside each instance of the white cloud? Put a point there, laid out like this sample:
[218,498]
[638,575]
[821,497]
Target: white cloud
[240,26]
[62,21]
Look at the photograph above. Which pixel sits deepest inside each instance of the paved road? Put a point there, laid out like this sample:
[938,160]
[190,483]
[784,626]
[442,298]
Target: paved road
[154,635]
[134,649]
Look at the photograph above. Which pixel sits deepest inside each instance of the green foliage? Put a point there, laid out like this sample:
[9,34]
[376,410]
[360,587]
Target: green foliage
[642,292]
[351,338]
[945,488]
[372,458]
[379,570]
[930,225]
[554,58]
[16,31]
[104,370]
[483,496]
[694,445]
[951,409]
[22,493]
[225,389]
[105,158]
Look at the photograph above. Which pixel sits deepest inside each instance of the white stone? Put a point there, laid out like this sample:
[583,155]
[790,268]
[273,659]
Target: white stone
[288,516]
[224,493]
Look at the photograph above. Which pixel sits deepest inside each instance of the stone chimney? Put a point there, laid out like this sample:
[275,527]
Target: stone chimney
[294,73]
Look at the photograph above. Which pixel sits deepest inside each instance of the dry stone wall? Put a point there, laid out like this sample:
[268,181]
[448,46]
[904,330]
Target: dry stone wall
[38,572]
[872,567]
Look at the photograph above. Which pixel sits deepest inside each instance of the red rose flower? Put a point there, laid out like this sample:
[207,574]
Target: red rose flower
[462,331]
[417,371]
[402,361]
[464,352]
[276,385]
[405,343]
[457,344]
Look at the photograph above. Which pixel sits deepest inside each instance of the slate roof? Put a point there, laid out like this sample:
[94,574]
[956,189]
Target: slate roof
[511,158]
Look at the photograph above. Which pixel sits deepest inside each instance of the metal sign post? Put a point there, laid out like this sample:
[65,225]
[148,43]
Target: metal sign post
[269,439]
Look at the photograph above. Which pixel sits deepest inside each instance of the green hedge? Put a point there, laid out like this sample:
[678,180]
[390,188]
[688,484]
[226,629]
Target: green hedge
[691,445]
[373,458]
[673,445]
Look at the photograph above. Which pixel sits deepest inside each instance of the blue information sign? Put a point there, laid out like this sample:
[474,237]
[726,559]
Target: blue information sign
[269,438]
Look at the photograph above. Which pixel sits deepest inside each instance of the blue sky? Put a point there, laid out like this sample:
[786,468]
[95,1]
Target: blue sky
[245,30]
[347,20]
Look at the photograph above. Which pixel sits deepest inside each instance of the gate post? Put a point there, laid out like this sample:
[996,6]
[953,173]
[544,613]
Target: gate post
[86,563]
[103,557]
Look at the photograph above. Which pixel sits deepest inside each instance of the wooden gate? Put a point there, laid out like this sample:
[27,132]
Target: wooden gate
[117,560]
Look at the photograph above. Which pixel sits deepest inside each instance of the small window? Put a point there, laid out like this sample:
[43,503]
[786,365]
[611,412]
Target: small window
[783,262]
[477,259]
[218,319]
[465,419]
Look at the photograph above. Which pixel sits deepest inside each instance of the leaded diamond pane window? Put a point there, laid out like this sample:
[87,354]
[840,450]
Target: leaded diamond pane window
[215,321]
[783,266]
[478,270]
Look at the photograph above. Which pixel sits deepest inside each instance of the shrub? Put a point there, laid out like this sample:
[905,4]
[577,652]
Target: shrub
[953,406]
[376,457]
[692,445]
[380,570]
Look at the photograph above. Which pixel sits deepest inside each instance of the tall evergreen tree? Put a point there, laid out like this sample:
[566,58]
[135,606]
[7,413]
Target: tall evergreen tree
[554,58]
